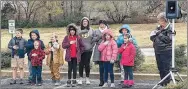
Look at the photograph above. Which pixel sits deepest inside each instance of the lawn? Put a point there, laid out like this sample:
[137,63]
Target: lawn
[140,31]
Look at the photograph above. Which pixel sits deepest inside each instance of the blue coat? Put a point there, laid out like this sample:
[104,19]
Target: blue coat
[30,42]
[120,39]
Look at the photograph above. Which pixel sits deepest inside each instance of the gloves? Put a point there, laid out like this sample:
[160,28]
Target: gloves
[112,61]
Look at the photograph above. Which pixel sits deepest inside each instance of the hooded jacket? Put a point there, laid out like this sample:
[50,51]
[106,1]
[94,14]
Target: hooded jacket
[162,39]
[21,43]
[30,45]
[128,54]
[66,44]
[86,35]
[109,51]
[37,60]
[57,55]
[120,39]
[97,39]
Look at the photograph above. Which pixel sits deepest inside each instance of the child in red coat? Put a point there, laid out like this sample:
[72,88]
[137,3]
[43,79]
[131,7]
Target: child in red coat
[36,56]
[128,52]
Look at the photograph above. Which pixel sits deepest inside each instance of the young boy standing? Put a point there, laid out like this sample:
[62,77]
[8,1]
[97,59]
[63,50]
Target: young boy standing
[34,35]
[17,46]
[55,59]
[36,56]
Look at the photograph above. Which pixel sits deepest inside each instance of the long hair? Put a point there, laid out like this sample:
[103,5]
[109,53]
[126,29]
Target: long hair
[82,27]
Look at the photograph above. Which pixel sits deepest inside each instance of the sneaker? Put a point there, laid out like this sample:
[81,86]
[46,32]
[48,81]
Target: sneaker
[39,84]
[105,85]
[53,81]
[87,81]
[80,81]
[101,83]
[121,82]
[12,82]
[21,81]
[57,83]
[73,83]
[68,83]
[112,85]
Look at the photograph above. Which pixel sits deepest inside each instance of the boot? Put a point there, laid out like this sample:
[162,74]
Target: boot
[125,84]
[101,83]
[69,83]
[74,83]
[130,83]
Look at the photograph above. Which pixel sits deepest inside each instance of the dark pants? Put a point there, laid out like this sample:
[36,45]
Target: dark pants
[85,63]
[128,73]
[72,66]
[108,68]
[101,71]
[164,60]
[36,74]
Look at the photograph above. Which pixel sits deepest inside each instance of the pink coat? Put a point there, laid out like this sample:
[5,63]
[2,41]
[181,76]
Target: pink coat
[109,51]
[128,54]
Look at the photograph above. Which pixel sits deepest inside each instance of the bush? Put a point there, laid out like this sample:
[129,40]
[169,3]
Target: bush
[180,57]
[139,59]
[5,59]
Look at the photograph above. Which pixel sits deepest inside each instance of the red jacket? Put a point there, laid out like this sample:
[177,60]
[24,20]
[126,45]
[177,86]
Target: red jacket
[37,60]
[128,54]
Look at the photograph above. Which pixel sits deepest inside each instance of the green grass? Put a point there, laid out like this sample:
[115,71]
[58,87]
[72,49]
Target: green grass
[140,31]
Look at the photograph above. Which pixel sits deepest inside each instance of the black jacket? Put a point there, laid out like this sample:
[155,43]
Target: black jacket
[162,39]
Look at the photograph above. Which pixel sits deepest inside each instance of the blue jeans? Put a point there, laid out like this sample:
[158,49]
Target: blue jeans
[30,70]
[101,71]
[108,68]
[36,71]
[128,73]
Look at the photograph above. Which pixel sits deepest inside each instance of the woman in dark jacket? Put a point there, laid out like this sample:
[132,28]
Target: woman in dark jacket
[162,43]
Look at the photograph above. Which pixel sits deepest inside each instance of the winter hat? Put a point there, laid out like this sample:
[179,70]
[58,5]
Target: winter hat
[162,15]
[103,22]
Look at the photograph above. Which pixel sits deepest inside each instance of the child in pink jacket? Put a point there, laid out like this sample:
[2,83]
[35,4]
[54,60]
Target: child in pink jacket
[128,52]
[109,50]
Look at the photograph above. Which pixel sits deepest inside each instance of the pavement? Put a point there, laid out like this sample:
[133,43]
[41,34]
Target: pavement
[139,84]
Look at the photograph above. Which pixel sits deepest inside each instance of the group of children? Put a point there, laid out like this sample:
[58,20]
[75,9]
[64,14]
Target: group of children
[79,45]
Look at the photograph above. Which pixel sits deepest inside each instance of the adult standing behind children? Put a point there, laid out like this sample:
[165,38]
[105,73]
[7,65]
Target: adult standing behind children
[97,38]
[34,35]
[86,34]
[17,46]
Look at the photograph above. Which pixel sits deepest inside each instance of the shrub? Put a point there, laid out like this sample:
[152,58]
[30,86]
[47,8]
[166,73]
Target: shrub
[139,59]
[5,59]
[180,57]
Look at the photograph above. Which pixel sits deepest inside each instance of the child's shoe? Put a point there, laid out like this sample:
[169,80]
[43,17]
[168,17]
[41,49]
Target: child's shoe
[105,85]
[69,83]
[12,82]
[57,83]
[73,83]
[112,85]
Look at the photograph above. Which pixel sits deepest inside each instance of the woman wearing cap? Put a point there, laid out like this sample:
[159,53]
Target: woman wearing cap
[162,43]
[97,38]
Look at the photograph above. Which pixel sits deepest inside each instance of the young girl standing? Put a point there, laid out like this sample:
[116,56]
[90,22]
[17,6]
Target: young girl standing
[109,50]
[128,52]
[74,47]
